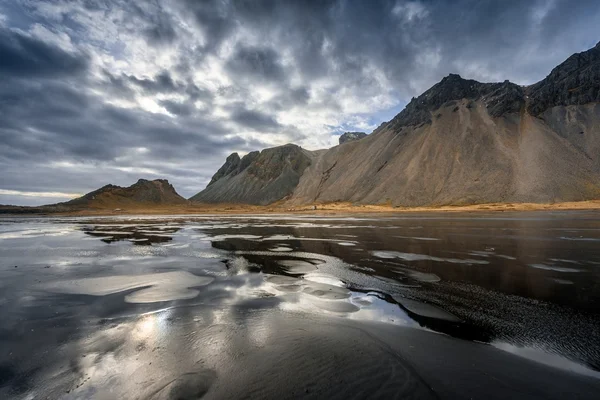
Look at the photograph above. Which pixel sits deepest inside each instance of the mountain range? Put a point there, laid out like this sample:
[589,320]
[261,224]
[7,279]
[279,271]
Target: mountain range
[461,142]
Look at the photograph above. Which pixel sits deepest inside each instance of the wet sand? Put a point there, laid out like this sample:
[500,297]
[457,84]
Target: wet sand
[421,306]
[277,355]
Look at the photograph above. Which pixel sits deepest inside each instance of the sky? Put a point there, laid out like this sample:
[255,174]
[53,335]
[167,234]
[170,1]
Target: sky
[98,92]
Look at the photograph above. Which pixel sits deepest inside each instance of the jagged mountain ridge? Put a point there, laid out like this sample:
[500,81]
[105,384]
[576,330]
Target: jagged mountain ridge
[499,99]
[462,142]
[257,178]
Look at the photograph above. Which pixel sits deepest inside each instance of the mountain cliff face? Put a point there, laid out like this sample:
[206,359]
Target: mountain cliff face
[257,178]
[156,192]
[460,142]
[574,82]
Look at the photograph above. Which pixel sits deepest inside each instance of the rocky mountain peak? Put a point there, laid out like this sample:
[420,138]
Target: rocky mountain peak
[351,136]
[162,183]
[233,158]
[575,81]
[450,78]
[500,98]
[231,164]
[258,178]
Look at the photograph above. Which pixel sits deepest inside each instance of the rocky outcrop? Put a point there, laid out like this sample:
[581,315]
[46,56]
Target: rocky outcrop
[351,136]
[257,178]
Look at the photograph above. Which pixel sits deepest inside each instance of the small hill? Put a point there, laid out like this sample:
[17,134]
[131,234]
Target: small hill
[140,195]
[143,192]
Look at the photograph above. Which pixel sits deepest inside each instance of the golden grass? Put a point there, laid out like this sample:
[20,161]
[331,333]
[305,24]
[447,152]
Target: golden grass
[330,208]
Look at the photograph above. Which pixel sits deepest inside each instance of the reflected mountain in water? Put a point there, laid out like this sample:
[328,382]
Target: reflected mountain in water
[191,302]
[141,235]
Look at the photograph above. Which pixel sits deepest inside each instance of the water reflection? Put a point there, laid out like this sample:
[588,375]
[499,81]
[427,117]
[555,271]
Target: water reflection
[204,295]
[525,257]
[142,235]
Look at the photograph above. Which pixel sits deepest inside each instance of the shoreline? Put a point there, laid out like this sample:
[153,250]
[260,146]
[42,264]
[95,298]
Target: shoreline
[323,209]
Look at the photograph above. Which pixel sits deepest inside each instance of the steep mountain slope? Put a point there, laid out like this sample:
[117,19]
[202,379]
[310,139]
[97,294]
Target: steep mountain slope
[143,192]
[462,157]
[464,142]
[257,178]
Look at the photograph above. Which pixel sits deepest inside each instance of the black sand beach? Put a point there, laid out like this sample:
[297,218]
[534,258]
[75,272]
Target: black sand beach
[386,306]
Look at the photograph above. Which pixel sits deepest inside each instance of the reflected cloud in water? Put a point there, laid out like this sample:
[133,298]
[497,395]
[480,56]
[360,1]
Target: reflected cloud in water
[183,304]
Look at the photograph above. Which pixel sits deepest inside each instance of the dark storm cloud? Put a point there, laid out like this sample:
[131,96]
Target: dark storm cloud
[340,37]
[215,18]
[256,120]
[195,93]
[219,66]
[117,86]
[256,63]
[153,22]
[567,14]
[161,31]
[160,83]
[177,108]
[54,120]
[22,55]
[290,98]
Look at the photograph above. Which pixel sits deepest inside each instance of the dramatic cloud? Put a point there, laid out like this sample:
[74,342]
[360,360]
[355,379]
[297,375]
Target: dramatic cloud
[256,64]
[25,56]
[255,120]
[95,92]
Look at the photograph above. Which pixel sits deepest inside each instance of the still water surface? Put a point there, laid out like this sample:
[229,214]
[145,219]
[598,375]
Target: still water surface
[89,304]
